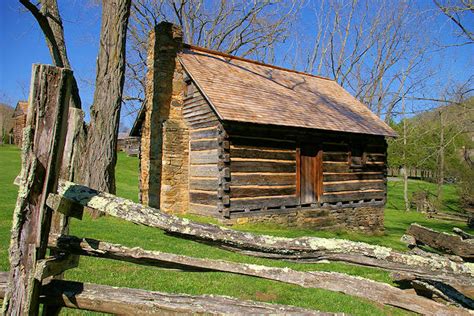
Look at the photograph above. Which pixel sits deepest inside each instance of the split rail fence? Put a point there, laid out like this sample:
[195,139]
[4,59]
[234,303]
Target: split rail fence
[45,205]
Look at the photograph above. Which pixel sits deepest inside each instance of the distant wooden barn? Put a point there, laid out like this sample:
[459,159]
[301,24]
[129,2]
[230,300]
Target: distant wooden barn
[244,141]
[19,117]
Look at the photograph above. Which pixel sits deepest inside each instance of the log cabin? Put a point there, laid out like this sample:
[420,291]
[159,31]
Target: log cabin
[244,141]
[19,122]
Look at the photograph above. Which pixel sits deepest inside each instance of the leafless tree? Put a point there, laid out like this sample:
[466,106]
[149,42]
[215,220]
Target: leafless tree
[96,165]
[243,28]
[364,46]
[460,12]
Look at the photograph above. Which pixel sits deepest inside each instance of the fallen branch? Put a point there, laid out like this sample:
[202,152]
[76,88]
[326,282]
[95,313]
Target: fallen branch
[448,243]
[303,248]
[339,282]
[126,301]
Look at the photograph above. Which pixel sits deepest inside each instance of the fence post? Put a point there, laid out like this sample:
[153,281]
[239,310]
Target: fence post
[43,143]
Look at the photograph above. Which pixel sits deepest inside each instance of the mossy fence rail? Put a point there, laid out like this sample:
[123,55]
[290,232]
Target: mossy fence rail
[45,204]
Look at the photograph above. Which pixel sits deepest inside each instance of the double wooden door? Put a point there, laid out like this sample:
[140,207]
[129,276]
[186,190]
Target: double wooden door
[310,173]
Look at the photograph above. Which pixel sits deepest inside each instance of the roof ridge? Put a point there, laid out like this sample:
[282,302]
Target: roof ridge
[215,52]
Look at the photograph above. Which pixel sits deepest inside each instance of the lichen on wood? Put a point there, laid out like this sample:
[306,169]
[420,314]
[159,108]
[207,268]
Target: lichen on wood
[303,248]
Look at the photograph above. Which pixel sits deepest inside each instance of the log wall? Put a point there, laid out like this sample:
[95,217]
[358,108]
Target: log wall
[206,138]
[352,179]
[263,173]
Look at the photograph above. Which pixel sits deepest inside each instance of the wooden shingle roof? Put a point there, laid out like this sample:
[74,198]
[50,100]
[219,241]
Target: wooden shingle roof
[246,91]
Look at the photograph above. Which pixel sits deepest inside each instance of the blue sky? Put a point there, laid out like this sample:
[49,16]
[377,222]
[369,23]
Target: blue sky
[22,44]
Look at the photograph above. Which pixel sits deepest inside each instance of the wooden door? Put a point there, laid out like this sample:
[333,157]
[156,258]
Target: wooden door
[310,174]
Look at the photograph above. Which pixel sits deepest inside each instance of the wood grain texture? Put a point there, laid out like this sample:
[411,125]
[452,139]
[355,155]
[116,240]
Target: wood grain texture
[44,139]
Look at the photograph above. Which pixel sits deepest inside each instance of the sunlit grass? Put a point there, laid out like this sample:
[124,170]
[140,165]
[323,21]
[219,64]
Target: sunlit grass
[130,275]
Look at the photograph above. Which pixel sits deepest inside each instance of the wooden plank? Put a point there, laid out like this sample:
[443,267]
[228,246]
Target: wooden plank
[203,170]
[257,203]
[43,146]
[347,196]
[327,176]
[239,179]
[203,197]
[344,167]
[256,191]
[208,116]
[240,152]
[262,166]
[204,156]
[204,145]
[204,184]
[212,132]
[351,186]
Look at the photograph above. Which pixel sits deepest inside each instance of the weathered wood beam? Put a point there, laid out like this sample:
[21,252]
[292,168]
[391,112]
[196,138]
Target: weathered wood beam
[448,243]
[55,265]
[43,140]
[332,281]
[303,248]
[462,233]
[127,301]
[460,295]
[64,206]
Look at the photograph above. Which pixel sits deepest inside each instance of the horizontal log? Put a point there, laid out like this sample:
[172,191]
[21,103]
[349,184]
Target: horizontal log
[331,176]
[305,249]
[262,202]
[206,184]
[64,206]
[201,117]
[204,133]
[203,197]
[55,265]
[127,301]
[203,209]
[332,281]
[263,143]
[204,156]
[354,185]
[345,167]
[336,156]
[198,111]
[203,124]
[239,179]
[262,166]
[241,152]
[451,244]
[260,191]
[203,170]
[204,144]
[352,196]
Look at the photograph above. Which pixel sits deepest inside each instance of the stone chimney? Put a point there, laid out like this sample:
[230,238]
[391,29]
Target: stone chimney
[164,142]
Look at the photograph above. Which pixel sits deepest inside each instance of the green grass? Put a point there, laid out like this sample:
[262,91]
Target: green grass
[129,275]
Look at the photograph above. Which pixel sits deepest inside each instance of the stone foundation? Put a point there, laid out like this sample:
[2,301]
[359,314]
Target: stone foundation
[367,219]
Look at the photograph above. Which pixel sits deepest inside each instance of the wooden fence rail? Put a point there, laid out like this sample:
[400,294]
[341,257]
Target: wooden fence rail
[45,204]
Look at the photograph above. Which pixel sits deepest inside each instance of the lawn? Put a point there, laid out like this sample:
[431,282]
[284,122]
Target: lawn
[129,275]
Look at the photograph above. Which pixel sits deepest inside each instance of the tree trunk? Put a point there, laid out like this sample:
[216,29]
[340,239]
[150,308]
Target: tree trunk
[441,160]
[98,161]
